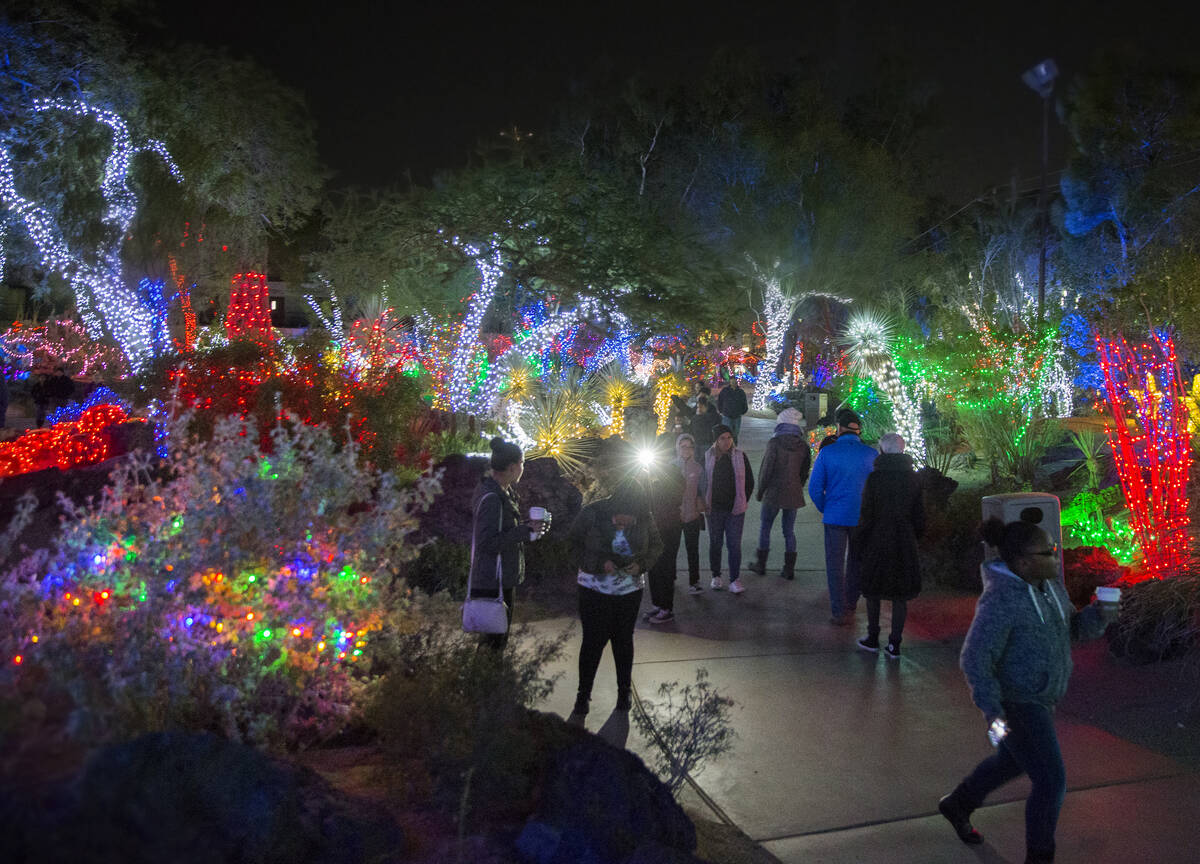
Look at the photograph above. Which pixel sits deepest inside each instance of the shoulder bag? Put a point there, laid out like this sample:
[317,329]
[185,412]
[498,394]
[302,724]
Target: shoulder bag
[485,614]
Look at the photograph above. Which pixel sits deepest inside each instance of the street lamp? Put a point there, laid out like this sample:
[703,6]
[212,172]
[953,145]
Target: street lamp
[1040,79]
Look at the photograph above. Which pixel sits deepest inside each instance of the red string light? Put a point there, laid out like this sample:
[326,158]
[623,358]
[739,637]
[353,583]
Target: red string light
[85,441]
[249,312]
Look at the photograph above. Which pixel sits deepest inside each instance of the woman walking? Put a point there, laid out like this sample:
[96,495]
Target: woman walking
[781,478]
[891,520]
[499,533]
[614,540]
[678,509]
[1017,659]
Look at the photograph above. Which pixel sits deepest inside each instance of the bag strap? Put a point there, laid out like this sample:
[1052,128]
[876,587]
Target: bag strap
[499,563]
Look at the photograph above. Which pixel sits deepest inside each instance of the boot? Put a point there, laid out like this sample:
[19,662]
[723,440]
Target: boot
[581,705]
[789,565]
[760,564]
[959,819]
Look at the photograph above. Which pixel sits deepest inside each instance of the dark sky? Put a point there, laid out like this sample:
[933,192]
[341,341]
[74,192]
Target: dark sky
[406,85]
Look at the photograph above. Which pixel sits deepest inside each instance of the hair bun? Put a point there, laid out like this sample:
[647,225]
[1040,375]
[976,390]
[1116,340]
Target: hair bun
[992,531]
[496,443]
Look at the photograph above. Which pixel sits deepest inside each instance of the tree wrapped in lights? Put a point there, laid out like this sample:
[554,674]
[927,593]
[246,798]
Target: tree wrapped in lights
[869,344]
[775,317]
[240,590]
[249,312]
[669,384]
[1150,444]
[107,305]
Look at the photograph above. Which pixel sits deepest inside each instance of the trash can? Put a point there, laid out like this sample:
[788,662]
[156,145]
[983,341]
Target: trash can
[816,405]
[1040,508]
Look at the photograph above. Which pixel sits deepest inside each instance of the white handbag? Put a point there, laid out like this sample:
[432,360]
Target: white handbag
[485,614]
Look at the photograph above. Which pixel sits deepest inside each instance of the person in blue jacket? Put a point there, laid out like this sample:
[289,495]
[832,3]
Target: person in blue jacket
[836,487]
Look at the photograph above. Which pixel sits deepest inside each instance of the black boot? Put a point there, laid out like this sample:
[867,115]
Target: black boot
[581,705]
[760,564]
[789,565]
[960,819]
[623,701]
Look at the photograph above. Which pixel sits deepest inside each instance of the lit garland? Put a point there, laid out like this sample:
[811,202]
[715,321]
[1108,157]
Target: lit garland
[869,339]
[63,343]
[65,445]
[1150,445]
[249,312]
[104,301]
[72,411]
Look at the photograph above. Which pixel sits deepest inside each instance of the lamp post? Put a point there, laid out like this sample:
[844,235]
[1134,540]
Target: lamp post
[1040,79]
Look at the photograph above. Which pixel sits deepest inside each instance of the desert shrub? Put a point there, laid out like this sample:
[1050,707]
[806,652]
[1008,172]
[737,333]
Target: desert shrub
[227,590]
[950,548]
[1160,619]
[1013,443]
[690,725]
[441,566]
[450,708]
[1085,568]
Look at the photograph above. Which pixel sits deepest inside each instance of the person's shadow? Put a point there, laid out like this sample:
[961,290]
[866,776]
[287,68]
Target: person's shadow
[616,729]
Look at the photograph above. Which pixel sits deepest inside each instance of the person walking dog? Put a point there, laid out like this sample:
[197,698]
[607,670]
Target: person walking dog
[781,477]
[891,520]
[1017,659]
[836,485]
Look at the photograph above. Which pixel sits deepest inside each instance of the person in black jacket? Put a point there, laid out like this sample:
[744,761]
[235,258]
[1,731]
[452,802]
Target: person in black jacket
[891,520]
[499,532]
[702,424]
[732,404]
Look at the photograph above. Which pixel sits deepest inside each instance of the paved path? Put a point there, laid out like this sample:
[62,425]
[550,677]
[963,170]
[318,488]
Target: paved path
[842,755]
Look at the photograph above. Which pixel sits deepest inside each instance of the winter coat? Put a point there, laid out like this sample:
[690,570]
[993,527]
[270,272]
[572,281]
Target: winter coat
[743,478]
[784,469]
[694,490]
[892,518]
[838,477]
[1019,646]
[590,540]
[498,530]
[666,497]
[701,428]
[731,402]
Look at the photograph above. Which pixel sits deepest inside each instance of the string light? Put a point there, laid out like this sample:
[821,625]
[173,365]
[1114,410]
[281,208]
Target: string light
[104,302]
[869,342]
[775,316]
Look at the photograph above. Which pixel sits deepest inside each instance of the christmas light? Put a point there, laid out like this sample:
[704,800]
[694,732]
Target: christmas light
[68,444]
[249,312]
[1150,444]
[104,302]
[775,316]
[869,342]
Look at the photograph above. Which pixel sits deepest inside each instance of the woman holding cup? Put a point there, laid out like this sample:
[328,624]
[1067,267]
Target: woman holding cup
[499,532]
[1017,659]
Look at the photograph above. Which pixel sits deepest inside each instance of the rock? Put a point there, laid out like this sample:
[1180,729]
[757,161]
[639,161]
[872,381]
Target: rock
[189,798]
[605,800]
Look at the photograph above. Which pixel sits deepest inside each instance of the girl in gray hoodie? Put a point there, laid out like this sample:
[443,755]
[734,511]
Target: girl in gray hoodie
[1017,659]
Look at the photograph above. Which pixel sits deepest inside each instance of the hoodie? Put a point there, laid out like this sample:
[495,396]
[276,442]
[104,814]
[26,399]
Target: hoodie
[1019,646]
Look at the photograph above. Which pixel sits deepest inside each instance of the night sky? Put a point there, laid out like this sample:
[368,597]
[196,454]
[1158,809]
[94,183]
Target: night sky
[406,86]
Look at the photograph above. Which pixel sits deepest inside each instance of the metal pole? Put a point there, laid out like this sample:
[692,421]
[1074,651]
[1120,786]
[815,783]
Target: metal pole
[1043,219]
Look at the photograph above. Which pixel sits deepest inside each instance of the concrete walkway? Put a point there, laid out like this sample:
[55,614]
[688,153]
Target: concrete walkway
[842,755]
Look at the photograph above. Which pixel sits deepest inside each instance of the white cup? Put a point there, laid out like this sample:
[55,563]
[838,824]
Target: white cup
[1108,595]
[536,514]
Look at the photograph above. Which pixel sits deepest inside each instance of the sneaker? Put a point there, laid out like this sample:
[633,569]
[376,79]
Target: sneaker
[717,584]
[868,644]
[959,821]
[662,616]
[892,650]
[654,610]
[736,587]
[695,589]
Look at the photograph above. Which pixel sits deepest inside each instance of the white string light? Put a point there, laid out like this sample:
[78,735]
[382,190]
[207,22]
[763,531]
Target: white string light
[106,304]
[868,338]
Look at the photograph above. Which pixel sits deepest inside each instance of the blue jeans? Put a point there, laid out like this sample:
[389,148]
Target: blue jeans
[727,527]
[789,527]
[1031,748]
[841,569]
[734,424]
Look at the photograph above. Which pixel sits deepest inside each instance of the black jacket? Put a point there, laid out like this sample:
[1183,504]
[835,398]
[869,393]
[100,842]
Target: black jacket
[731,402]
[591,536]
[892,518]
[500,531]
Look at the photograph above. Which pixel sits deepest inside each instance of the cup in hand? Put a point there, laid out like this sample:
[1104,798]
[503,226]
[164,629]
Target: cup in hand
[1109,596]
[537,515]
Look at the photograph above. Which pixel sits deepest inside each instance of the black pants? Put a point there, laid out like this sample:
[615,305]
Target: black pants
[607,618]
[662,574]
[899,614]
[691,542]
[499,641]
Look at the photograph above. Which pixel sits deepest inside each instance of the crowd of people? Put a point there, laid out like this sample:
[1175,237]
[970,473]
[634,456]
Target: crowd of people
[1016,657]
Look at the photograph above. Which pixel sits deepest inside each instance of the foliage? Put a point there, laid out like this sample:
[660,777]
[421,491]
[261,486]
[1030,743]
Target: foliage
[691,725]
[1085,568]
[227,590]
[441,566]
[454,705]
[1013,443]
[1160,619]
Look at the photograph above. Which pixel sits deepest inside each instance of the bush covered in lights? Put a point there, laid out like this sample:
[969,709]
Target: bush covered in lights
[225,589]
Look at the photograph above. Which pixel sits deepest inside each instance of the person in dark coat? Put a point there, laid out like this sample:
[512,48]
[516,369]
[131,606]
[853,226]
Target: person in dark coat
[732,404]
[702,424]
[891,520]
[781,478]
[499,532]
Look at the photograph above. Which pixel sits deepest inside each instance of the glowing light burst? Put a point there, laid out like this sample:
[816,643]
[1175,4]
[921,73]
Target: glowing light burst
[869,344]
[1151,446]
[104,301]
